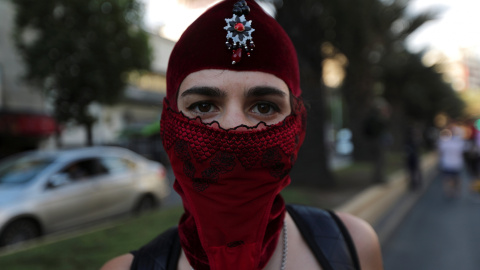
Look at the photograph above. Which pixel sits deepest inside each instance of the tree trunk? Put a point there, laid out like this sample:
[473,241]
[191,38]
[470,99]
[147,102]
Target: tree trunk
[379,162]
[398,127]
[362,145]
[58,139]
[89,133]
[312,168]
[357,92]
[367,121]
[302,21]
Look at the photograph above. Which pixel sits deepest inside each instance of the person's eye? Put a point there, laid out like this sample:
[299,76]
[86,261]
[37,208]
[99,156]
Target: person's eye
[201,107]
[265,108]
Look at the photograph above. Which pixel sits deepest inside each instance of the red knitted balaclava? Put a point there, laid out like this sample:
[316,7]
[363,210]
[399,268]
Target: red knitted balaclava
[230,180]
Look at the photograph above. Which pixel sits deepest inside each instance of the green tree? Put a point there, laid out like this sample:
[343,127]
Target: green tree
[80,51]
[367,33]
[370,33]
[418,93]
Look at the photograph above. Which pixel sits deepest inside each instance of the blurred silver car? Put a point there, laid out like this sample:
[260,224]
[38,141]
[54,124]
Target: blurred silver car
[42,192]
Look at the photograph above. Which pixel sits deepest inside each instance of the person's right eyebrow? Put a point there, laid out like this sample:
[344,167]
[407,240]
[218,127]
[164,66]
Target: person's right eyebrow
[204,91]
[260,91]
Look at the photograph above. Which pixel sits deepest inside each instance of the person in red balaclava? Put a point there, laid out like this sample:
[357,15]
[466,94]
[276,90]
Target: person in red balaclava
[232,124]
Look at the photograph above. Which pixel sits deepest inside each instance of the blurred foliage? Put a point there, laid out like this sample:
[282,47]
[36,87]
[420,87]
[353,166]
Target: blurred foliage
[471,97]
[420,90]
[372,36]
[80,51]
[382,76]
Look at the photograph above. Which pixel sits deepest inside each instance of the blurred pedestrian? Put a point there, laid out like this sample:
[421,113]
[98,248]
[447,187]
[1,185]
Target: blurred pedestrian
[472,157]
[451,147]
[472,151]
[413,138]
[232,125]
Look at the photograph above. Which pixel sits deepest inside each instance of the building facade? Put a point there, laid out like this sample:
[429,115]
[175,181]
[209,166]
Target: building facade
[471,63]
[25,114]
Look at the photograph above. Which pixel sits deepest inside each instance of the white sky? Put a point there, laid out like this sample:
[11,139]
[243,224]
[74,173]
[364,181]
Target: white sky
[174,17]
[458,25]
[168,13]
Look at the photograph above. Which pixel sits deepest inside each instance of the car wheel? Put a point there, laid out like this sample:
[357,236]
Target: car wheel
[19,231]
[146,204]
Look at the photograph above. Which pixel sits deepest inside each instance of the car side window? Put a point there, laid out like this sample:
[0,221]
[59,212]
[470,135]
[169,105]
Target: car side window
[118,165]
[78,171]
[75,171]
[84,169]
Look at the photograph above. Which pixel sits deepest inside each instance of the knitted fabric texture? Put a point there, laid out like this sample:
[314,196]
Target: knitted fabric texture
[229,182]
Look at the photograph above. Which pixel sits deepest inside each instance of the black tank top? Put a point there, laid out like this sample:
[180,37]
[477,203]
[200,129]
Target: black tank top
[322,230]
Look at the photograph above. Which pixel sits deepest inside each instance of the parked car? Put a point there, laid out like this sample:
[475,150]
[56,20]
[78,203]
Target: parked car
[43,192]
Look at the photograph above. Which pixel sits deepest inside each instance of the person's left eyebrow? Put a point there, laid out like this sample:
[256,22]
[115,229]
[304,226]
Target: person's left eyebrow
[204,91]
[260,91]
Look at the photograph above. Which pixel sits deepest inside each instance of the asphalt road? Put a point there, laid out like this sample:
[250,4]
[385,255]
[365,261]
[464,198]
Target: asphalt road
[438,233]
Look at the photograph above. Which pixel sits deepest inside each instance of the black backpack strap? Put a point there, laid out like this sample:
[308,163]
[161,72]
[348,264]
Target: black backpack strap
[325,237]
[162,253]
[348,239]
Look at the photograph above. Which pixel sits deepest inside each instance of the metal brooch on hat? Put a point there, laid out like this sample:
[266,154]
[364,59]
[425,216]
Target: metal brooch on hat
[239,32]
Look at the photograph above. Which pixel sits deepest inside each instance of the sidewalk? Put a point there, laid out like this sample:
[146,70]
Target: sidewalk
[385,205]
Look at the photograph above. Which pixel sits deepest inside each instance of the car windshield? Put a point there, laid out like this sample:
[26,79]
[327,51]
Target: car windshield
[22,169]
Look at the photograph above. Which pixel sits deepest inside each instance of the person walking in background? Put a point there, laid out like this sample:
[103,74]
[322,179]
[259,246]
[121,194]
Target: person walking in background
[413,139]
[451,147]
[232,124]
[472,150]
[475,158]
[472,156]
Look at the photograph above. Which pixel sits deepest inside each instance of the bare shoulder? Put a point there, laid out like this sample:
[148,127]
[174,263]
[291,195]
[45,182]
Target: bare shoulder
[365,240]
[122,262]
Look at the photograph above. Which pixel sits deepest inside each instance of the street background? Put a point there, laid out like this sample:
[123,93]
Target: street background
[439,233]
[382,79]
